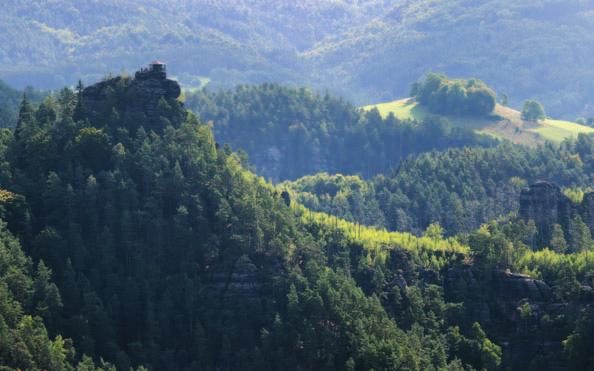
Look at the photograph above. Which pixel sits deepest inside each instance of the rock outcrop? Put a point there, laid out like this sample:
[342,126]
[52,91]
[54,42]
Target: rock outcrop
[144,100]
[545,203]
[505,293]
[513,287]
[517,310]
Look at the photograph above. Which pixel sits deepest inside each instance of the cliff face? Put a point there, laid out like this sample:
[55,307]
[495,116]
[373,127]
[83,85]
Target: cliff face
[516,309]
[544,203]
[144,100]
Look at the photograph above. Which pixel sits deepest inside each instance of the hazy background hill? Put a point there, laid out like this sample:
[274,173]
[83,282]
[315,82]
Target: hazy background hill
[522,48]
[227,41]
[368,51]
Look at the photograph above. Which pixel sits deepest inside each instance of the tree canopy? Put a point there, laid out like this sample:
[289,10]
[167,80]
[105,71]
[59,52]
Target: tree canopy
[533,111]
[442,95]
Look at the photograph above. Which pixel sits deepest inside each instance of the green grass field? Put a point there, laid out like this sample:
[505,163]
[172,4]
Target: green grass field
[504,123]
[557,130]
[405,109]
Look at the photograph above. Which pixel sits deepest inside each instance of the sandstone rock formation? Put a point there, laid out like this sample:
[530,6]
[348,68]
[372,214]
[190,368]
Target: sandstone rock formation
[498,301]
[141,101]
[545,203]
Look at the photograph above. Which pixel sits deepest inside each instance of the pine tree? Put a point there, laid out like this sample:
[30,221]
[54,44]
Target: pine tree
[25,119]
[558,243]
[579,235]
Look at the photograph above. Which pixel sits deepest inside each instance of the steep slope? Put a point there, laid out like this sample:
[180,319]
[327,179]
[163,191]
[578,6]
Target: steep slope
[169,254]
[30,304]
[530,314]
[505,122]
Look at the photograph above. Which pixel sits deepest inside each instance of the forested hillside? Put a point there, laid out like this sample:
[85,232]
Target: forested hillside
[458,188]
[288,133]
[369,51]
[525,49]
[29,305]
[297,185]
[141,235]
[156,236]
[226,42]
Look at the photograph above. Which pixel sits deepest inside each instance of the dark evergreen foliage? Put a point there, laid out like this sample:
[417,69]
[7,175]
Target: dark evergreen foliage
[288,133]
[9,103]
[168,253]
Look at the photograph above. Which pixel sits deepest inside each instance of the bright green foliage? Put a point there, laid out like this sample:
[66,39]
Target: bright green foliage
[576,195]
[434,231]
[419,307]
[375,239]
[533,111]
[348,197]
[458,188]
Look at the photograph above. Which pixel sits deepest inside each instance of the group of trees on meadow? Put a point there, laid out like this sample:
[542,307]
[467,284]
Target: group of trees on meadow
[442,95]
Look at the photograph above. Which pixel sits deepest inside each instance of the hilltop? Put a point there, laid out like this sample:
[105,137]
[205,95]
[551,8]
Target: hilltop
[504,122]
